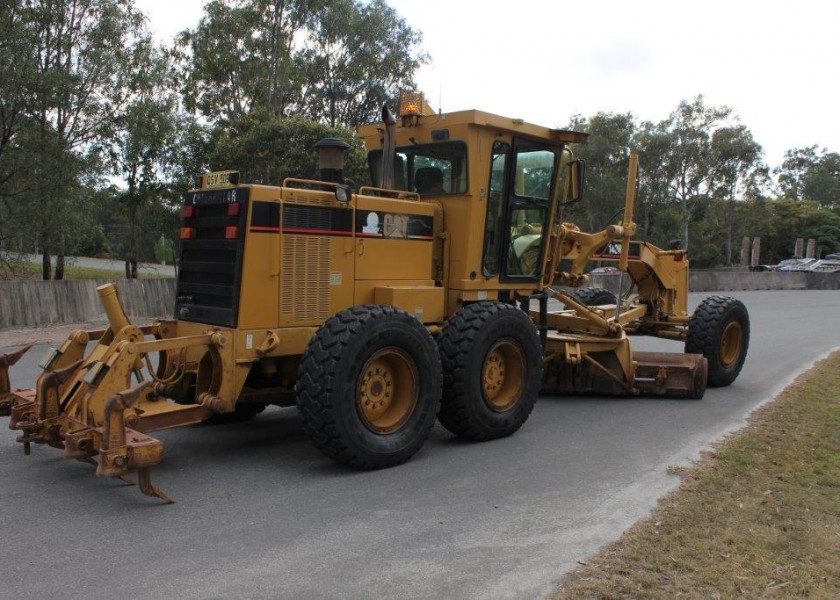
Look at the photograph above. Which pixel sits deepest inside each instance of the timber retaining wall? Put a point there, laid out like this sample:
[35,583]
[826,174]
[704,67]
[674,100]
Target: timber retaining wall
[40,303]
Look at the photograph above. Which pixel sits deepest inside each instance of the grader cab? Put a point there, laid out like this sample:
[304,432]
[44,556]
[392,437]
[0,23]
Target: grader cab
[379,310]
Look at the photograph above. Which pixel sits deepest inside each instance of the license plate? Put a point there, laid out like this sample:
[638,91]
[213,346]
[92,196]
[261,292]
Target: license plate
[217,179]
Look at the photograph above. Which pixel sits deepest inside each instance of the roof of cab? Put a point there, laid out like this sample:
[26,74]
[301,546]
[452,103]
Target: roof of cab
[485,119]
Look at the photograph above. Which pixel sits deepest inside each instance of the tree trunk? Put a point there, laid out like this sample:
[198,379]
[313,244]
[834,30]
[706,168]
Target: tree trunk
[59,266]
[46,266]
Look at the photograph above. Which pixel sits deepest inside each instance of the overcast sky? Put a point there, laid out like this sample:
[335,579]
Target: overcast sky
[773,62]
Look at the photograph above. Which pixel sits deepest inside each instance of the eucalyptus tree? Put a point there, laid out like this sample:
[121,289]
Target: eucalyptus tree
[810,173]
[267,149]
[656,216]
[17,75]
[358,56]
[145,129]
[736,161]
[690,157]
[334,61]
[822,181]
[83,53]
[16,79]
[793,170]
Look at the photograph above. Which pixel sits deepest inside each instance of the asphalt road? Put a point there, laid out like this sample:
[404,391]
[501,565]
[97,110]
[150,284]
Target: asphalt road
[261,514]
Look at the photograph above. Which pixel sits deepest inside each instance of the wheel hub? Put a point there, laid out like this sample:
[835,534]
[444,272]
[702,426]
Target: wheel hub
[387,391]
[730,343]
[502,375]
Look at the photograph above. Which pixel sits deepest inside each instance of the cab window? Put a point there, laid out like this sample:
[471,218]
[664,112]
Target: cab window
[528,209]
[495,221]
[428,169]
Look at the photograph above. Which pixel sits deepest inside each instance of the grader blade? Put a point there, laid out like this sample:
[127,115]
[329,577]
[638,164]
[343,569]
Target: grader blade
[671,374]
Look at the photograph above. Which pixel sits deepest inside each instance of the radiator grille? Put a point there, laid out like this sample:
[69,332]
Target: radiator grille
[306,277]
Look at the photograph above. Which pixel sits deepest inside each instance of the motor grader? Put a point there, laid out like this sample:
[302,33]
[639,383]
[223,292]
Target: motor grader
[379,310]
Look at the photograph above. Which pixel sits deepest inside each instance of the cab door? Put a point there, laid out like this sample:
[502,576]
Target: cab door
[521,188]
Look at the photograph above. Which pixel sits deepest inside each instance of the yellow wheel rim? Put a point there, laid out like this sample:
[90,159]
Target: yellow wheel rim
[503,375]
[730,344]
[387,390]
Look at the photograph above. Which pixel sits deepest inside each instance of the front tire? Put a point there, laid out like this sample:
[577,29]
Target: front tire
[492,370]
[719,329]
[369,386]
[594,296]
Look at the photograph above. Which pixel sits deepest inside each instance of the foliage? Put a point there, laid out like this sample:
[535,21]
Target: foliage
[86,96]
[266,149]
[607,156]
[335,62]
[810,174]
[145,130]
[76,59]
[358,57]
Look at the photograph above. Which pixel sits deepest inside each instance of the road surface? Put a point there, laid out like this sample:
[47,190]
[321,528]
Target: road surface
[261,514]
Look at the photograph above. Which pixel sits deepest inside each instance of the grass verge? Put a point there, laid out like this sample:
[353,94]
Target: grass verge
[759,517]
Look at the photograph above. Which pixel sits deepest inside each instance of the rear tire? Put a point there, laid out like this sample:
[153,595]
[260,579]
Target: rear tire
[492,370]
[369,386]
[719,329]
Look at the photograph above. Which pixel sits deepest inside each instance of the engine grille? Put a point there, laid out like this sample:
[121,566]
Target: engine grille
[306,277]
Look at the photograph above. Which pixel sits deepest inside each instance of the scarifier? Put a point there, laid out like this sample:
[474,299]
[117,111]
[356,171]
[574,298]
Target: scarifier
[379,310]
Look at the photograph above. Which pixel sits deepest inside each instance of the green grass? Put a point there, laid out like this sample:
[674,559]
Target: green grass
[759,517]
[32,271]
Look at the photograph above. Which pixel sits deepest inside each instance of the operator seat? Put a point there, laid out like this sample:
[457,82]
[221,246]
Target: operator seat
[429,180]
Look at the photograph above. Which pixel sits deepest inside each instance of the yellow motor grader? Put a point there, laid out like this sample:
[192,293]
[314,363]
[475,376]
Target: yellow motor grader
[378,310]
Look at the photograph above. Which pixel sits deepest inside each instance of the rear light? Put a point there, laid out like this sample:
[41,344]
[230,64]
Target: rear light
[231,232]
[187,233]
[233,210]
[189,211]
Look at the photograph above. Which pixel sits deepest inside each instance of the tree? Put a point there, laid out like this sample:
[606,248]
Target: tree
[810,174]
[83,52]
[793,170]
[17,69]
[223,61]
[358,57]
[336,62]
[822,180]
[607,156]
[690,157]
[735,157]
[145,130]
[656,215]
[267,149]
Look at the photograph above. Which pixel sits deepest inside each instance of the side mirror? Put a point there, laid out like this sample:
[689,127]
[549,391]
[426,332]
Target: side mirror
[343,193]
[577,169]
